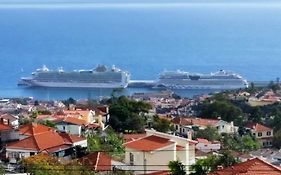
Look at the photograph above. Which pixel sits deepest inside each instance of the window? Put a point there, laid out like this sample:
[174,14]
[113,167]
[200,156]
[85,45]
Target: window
[63,128]
[183,130]
[259,134]
[268,133]
[177,127]
[131,159]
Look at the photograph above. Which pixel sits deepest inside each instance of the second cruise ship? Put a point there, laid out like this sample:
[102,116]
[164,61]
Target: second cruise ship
[185,80]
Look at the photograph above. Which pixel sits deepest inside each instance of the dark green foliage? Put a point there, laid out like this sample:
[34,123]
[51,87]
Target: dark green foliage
[47,123]
[69,101]
[204,166]
[244,143]
[161,125]
[210,133]
[107,141]
[36,103]
[256,114]
[125,114]
[273,86]
[224,109]
[277,139]
[176,168]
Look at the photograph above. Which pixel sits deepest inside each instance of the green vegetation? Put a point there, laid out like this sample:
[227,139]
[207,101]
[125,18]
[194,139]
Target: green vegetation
[244,143]
[176,168]
[211,163]
[43,164]
[162,125]
[127,115]
[47,123]
[107,141]
[210,133]
[277,139]
[224,109]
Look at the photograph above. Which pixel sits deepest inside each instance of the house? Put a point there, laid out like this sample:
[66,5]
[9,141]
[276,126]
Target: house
[205,145]
[32,129]
[39,139]
[70,125]
[10,120]
[87,115]
[185,126]
[153,152]
[251,167]
[262,133]
[97,161]
[7,134]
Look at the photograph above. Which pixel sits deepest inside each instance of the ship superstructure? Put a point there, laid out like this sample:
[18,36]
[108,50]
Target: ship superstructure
[185,80]
[100,77]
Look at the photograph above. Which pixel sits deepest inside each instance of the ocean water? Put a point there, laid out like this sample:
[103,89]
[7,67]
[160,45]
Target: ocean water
[143,38]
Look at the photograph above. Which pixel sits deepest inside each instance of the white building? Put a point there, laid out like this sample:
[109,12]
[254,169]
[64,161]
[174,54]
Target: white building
[153,152]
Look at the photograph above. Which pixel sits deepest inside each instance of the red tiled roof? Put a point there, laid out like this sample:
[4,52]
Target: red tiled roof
[73,120]
[258,127]
[8,116]
[45,141]
[78,113]
[132,137]
[71,138]
[159,173]
[33,129]
[195,121]
[255,166]
[5,127]
[97,161]
[200,140]
[149,143]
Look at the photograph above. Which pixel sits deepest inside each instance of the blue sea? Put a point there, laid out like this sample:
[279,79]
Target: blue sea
[143,37]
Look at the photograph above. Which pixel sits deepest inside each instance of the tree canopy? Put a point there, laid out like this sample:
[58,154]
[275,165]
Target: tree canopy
[126,115]
[176,168]
[211,163]
[210,133]
[224,109]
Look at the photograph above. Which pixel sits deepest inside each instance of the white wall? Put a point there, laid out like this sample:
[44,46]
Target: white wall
[69,128]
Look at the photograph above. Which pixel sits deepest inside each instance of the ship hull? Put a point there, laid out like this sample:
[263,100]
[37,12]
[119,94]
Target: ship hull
[200,86]
[73,85]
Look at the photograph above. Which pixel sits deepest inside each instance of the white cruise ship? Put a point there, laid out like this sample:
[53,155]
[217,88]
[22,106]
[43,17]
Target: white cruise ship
[185,80]
[100,77]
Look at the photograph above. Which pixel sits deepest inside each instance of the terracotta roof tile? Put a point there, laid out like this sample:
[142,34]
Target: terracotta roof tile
[5,127]
[255,166]
[132,137]
[159,173]
[97,161]
[45,141]
[8,116]
[81,114]
[72,120]
[149,143]
[33,129]
[258,127]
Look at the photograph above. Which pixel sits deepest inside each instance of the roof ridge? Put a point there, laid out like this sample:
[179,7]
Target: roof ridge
[277,168]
